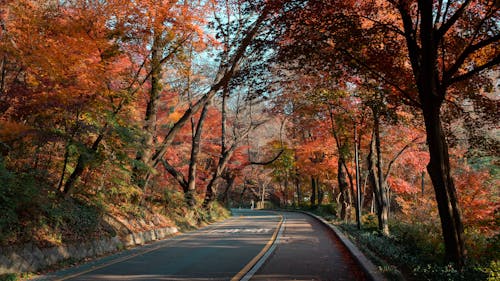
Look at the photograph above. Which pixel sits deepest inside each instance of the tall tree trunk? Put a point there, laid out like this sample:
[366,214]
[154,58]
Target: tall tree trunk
[320,191]
[432,94]
[444,188]
[345,194]
[209,193]
[286,188]
[193,162]
[243,192]
[144,155]
[313,191]
[377,179]
[3,72]
[65,164]
[229,184]
[297,187]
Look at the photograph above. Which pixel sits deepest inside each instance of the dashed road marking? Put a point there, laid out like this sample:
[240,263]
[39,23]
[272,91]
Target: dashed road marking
[242,230]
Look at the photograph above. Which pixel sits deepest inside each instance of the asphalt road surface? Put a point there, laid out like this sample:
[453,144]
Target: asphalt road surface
[308,250]
[305,251]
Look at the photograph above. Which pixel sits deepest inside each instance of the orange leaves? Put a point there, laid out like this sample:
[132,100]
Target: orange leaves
[12,131]
[478,197]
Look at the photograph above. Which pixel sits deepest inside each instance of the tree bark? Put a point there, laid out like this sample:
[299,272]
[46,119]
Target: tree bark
[150,119]
[345,194]
[320,191]
[377,179]
[444,188]
[65,164]
[195,152]
[297,186]
[229,184]
[313,191]
[432,87]
[3,72]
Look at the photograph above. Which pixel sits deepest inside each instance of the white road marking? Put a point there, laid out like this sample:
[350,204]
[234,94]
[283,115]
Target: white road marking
[242,230]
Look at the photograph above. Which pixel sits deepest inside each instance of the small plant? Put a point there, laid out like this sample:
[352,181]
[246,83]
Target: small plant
[8,277]
[369,220]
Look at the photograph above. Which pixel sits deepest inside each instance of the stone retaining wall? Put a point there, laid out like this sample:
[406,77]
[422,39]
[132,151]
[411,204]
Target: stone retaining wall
[30,258]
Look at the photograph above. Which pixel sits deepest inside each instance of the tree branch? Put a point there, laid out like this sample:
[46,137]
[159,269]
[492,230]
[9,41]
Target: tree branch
[176,174]
[222,79]
[397,155]
[269,161]
[470,49]
[409,99]
[476,70]
[453,19]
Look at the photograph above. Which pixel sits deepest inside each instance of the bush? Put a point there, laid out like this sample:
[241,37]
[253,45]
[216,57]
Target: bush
[369,221]
[70,216]
[412,250]
[493,270]
[17,193]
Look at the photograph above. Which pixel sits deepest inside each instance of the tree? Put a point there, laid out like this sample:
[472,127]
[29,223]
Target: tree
[437,45]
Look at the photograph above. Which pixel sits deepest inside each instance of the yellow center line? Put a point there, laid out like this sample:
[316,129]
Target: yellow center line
[251,264]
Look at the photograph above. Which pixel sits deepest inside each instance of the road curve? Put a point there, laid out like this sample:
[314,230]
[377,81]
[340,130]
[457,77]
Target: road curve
[217,252]
[308,250]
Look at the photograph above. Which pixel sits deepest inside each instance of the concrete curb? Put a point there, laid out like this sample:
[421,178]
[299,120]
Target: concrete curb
[368,267]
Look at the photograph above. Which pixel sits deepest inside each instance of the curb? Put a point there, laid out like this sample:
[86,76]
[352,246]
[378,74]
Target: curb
[368,267]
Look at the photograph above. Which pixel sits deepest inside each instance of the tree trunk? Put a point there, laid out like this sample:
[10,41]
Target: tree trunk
[432,93]
[377,178]
[193,161]
[444,188]
[3,72]
[285,197]
[320,192]
[313,191]
[65,164]
[229,184]
[150,119]
[345,194]
[209,193]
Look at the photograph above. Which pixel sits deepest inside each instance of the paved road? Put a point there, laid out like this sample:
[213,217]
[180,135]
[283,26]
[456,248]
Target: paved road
[217,252]
[307,250]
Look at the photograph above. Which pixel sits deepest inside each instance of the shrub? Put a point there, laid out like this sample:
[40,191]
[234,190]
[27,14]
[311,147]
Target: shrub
[17,193]
[369,220]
